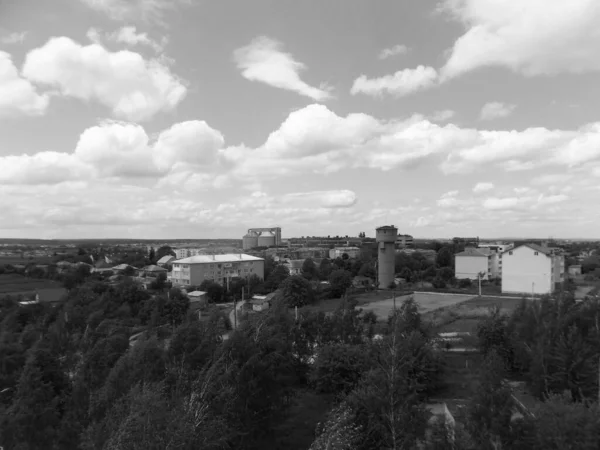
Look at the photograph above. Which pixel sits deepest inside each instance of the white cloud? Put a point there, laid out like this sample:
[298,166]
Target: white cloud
[554,178]
[151,11]
[442,116]
[496,110]
[483,187]
[14,38]
[18,97]
[127,35]
[134,88]
[523,203]
[324,199]
[449,199]
[399,49]
[531,37]
[401,83]
[41,168]
[265,61]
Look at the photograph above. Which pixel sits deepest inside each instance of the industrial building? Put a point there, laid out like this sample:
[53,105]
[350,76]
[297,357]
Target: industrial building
[195,269]
[261,237]
[533,269]
[386,255]
[338,252]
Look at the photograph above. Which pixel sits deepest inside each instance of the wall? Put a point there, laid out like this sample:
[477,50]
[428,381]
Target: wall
[523,268]
[470,266]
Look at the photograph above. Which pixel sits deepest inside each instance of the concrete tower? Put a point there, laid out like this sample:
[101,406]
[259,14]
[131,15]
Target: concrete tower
[386,254]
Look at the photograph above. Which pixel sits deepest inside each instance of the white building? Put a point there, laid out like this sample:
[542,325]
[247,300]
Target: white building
[195,269]
[337,252]
[531,269]
[473,261]
[181,253]
[497,247]
[404,240]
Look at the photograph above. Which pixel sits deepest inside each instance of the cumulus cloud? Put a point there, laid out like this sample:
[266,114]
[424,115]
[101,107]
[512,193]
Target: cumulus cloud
[127,35]
[132,87]
[442,116]
[526,202]
[399,49]
[496,110]
[151,11]
[483,187]
[18,97]
[401,83]
[13,38]
[518,35]
[264,60]
[324,199]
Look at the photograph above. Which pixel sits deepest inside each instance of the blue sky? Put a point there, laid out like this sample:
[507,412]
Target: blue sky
[190,118]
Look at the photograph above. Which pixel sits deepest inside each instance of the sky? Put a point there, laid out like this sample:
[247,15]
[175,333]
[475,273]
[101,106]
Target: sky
[201,118]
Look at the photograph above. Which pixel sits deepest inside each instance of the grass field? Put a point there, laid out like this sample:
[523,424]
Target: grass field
[13,283]
[425,302]
[4,260]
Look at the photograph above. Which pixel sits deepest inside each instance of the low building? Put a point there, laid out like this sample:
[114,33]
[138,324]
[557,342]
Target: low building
[122,268]
[404,240]
[260,303]
[195,269]
[575,270]
[475,261]
[294,266]
[531,269]
[198,299]
[165,260]
[151,271]
[338,252]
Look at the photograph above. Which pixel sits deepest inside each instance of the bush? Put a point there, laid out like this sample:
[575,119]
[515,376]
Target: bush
[438,283]
[465,283]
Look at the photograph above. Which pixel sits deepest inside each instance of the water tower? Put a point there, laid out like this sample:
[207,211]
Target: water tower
[386,255]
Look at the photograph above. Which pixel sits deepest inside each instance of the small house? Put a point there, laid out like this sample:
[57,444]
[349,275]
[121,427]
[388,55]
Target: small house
[198,299]
[575,270]
[152,271]
[260,303]
[165,260]
[122,268]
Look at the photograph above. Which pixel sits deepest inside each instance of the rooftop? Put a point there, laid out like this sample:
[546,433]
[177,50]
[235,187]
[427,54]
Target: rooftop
[203,259]
[470,251]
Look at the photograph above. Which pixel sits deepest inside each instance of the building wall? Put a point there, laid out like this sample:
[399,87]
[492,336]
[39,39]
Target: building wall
[525,272]
[352,252]
[558,264]
[495,265]
[195,274]
[471,266]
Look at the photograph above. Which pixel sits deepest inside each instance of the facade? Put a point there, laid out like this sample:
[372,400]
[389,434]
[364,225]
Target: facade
[337,252]
[386,255]
[198,299]
[294,266]
[473,261]
[499,247]
[262,237]
[195,269]
[405,240]
[181,253]
[531,269]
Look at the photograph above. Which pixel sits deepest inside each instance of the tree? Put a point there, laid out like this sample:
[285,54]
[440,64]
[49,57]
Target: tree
[176,307]
[444,257]
[297,291]
[446,274]
[164,251]
[213,290]
[152,255]
[490,409]
[407,274]
[325,269]
[276,277]
[339,432]
[309,269]
[367,270]
[338,367]
[340,280]
[159,283]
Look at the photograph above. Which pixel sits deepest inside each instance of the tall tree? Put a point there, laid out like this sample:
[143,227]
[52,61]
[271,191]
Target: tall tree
[340,280]
[297,291]
[309,269]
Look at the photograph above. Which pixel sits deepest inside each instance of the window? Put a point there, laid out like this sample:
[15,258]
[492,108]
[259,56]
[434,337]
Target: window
[510,253]
[535,253]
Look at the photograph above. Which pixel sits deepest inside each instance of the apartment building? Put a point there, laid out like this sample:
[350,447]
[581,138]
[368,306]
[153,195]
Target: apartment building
[181,253]
[195,269]
[474,261]
[532,269]
[405,240]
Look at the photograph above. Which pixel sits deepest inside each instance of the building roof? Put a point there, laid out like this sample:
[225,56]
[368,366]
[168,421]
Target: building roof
[203,259]
[470,251]
[386,227]
[165,259]
[535,247]
[196,294]
[123,267]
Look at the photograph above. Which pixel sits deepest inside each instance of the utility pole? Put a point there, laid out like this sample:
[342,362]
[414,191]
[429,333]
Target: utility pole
[394,301]
[532,290]
[479,279]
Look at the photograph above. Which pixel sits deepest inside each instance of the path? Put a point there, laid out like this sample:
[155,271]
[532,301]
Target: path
[234,324]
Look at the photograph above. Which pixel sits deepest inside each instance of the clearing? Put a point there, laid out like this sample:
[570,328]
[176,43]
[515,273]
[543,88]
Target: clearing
[14,284]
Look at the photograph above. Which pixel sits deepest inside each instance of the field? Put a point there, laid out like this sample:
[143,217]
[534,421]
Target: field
[4,260]
[13,284]
[425,302]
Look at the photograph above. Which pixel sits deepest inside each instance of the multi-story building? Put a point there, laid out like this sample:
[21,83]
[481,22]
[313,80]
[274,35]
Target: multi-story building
[404,240]
[181,253]
[474,261]
[531,269]
[337,252]
[195,269]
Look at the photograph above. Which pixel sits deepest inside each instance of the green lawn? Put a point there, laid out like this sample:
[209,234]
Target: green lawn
[13,283]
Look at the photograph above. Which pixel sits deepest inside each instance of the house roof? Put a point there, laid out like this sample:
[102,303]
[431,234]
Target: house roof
[165,259]
[470,251]
[203,259]
[153,268]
